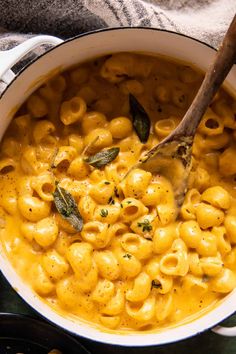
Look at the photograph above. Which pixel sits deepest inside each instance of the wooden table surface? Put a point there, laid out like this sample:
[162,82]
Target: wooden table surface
[206,343]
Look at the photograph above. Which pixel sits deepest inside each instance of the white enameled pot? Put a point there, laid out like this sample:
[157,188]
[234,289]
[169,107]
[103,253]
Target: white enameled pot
[62,56]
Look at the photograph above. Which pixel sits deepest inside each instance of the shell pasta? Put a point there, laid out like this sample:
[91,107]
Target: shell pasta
[107,247]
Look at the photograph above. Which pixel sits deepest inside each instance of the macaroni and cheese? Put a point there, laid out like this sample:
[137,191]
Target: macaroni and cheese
[133,261]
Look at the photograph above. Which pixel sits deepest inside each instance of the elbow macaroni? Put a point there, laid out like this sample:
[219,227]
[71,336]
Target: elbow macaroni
[138,263]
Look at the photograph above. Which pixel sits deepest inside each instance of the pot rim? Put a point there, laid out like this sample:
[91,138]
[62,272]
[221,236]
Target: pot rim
[89,33]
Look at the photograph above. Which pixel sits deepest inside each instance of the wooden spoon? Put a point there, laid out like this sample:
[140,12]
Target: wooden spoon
[172,157]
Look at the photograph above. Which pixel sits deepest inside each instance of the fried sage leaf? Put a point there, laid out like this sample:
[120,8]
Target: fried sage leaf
[103,157]
[67,208]
[141,120]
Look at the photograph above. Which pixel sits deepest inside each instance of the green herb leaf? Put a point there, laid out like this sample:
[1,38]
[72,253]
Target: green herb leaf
[116,192]
[111,201]
[145,224]
[102,158]
[53,158]
[205,278]
[127,255]
[67,208]
[104,213]
[141,120]
[156,285]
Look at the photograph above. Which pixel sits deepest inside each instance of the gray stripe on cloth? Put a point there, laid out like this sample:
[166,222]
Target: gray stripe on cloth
[142,14]
[113,10]
[125,11]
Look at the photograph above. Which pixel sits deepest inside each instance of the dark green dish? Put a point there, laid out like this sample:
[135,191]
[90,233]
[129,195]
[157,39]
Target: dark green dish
[24,334]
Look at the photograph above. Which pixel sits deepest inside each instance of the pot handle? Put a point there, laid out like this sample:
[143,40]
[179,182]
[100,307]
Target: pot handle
[9,58]
[225,331]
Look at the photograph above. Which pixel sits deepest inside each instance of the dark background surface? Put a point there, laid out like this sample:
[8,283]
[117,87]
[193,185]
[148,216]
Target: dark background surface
[206,343]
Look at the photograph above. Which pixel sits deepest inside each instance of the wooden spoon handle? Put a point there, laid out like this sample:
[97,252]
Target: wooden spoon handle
[225,58]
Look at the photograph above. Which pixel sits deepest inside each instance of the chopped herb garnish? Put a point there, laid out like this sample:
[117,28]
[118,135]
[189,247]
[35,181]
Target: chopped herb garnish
[146,226]
[121,205]
[156,284]
[103,157]
[104,213]
[67,207]
[53,158]
[141,120]
[107,182]
[116,192]
[111,201]
[205,278]
[129,202]
[127,255]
